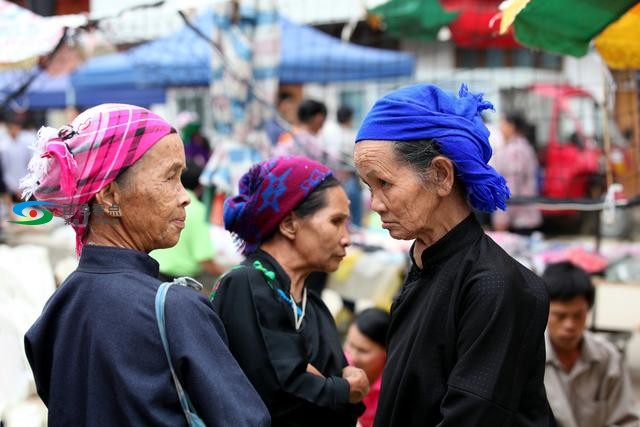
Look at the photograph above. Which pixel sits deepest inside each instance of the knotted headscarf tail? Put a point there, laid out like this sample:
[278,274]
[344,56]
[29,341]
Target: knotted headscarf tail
[71,164]
[423,112]
[267,193]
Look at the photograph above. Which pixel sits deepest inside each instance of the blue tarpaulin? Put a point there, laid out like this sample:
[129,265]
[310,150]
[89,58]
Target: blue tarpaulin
[141,74]
[184,59]
[56,92]
[44,92]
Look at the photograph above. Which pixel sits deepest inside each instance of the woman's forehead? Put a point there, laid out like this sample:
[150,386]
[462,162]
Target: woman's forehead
[374,152]
[167,150]
[336,200]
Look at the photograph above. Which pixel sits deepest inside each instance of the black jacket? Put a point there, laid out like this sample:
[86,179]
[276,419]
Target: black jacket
[466,340]
[263,338]
[98,360]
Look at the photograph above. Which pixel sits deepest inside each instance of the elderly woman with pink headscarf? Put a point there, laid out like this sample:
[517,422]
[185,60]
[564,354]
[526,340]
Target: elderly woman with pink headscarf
[104,351]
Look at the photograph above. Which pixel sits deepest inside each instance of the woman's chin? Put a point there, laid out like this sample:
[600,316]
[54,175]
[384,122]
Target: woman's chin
[399,234]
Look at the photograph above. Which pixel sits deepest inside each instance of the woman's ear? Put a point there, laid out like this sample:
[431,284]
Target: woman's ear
[289,226]
[444,175]
[109,195]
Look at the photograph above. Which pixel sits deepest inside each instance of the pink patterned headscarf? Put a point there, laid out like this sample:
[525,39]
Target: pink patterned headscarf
[71,164]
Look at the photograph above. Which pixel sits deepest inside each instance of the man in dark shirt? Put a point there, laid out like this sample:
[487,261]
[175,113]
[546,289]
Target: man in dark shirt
[466,340]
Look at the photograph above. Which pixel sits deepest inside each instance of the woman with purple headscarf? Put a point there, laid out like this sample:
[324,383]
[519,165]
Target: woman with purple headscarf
[466,339]
[290,218]
[97,349]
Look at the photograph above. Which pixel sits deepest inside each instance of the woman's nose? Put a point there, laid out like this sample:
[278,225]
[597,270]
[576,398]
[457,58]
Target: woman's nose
[376,204]
[183,197]
[346,237]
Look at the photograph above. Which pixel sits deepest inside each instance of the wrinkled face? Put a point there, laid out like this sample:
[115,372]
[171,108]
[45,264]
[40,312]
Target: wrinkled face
[567,322]
[153,199]
[322,237]
[365,353]
[401,197]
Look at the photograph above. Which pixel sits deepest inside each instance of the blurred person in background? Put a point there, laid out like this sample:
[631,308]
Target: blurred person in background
[287,108]
[290,217]
[586,378]
[340,134]
[366,348]
[517,161]
[198,149]
[96,351]
[339,139]
[15,153]
[196,146]
[304,138]
[466,339]
[5,202]
[193,255]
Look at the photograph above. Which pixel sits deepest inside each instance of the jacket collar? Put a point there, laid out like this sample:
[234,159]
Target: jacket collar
[110,259]
[589,351]
[462,235]
[270,263]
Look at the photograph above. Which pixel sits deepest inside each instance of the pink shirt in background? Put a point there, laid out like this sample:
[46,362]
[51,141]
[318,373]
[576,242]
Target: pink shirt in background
[517,162]
[370,400]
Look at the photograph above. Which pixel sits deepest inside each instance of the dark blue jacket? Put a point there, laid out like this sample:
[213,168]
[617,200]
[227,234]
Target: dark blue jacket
[98,359]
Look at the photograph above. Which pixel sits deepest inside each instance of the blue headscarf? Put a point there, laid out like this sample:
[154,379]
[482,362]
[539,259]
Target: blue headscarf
[427,112]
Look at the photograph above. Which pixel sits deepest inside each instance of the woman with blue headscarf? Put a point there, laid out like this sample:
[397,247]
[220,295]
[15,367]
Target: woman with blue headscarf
[466,339]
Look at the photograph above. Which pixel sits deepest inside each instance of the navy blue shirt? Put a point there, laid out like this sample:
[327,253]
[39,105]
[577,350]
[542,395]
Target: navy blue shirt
[98,359]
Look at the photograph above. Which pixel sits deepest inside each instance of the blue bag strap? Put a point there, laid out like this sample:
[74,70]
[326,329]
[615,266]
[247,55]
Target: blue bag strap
[185,402]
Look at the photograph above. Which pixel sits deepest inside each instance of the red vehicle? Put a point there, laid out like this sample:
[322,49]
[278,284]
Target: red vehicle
[568,138]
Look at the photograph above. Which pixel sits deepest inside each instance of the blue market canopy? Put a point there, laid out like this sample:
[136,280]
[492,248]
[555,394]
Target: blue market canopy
[44,92]
[309,55]
[184,59]
[56,92]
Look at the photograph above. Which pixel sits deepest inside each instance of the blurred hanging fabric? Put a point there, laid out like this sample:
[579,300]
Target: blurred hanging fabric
[477,24]
[25,36]
[565,27]
[244,81]
[619,43]
[414,19]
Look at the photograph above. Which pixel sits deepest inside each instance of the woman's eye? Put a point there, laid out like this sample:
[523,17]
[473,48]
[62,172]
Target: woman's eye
[384,183]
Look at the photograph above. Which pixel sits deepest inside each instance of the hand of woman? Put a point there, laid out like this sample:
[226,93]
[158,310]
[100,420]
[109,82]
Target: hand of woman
[358,383]
[313,370]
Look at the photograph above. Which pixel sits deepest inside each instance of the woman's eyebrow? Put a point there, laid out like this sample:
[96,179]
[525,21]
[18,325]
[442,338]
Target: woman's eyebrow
[176,166]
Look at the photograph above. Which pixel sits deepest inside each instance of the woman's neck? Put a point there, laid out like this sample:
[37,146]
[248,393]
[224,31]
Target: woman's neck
[292,264]
[113,236]
[452,213]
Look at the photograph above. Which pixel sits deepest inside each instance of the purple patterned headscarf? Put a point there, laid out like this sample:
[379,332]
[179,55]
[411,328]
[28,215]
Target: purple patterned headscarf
[268,192]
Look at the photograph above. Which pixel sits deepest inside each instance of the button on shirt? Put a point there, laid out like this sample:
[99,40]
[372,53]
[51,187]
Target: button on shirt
[596,392]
